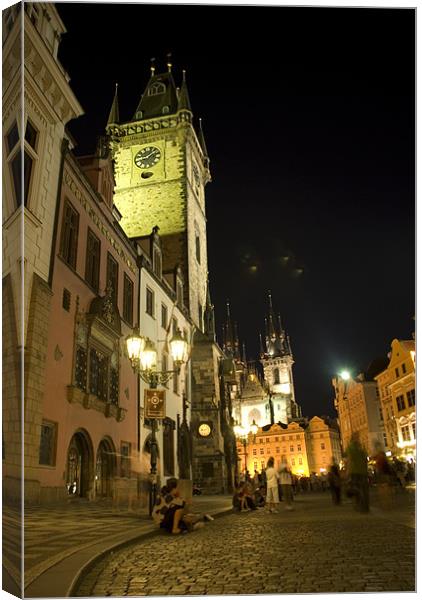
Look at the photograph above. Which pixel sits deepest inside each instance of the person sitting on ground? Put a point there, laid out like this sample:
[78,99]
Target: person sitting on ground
[260,497]
[249,495]
[170,511]
[239,499]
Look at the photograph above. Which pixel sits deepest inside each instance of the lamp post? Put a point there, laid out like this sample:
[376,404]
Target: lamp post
[242,434]
[143,357]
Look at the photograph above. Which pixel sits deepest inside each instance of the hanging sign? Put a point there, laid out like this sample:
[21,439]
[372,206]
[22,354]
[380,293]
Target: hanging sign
[155,404]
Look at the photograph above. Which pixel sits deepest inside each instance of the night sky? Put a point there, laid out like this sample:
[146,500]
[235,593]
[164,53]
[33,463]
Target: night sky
[309,118]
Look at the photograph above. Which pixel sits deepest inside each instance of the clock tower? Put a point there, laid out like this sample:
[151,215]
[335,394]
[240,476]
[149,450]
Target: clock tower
[161,170]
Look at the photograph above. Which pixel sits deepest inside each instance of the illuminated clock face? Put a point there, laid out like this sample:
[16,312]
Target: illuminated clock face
[147,157]
[204,429]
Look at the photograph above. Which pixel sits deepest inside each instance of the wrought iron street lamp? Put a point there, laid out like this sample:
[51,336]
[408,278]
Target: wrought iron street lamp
[242,434]
[143,357]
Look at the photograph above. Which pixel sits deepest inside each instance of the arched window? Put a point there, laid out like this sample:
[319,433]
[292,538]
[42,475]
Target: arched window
[276,375]
[156,89]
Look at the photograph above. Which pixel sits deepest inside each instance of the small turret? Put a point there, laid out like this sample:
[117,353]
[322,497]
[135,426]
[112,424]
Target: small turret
[184,101]
[113,117]
[209,318]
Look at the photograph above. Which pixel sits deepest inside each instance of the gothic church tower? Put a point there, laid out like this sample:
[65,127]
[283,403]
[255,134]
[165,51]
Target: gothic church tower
[277,362]
[161,169]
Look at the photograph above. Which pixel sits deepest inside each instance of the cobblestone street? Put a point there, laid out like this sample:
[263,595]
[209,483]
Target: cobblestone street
[316,548]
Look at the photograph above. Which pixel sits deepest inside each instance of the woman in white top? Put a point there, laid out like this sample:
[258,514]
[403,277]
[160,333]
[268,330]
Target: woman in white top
[272,486]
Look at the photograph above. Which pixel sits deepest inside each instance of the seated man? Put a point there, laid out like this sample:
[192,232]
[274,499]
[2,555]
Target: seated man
[260,496]
[170,511]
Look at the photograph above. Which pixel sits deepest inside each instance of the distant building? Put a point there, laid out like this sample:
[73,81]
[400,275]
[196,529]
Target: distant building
[396,388]
[323,444]
[308,447]
[359,410]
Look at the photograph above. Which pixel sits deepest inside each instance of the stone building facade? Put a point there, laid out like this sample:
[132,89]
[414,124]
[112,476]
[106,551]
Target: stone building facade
[307,447]
[87,446]
[359,409]
[48,104]
[397,393]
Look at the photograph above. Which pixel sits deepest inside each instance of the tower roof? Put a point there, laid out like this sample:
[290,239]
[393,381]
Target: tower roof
[276,341]
[159,97]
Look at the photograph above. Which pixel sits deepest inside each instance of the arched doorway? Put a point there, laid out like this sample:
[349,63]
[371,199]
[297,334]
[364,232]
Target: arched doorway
[79,465]
[105,469]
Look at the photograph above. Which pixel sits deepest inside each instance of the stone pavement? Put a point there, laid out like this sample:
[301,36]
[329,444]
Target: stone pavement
[316,548]
[60,540]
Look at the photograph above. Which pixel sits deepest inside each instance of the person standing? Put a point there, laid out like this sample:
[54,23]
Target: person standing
[272,486]
[357,470]
[334,481]
[286,481]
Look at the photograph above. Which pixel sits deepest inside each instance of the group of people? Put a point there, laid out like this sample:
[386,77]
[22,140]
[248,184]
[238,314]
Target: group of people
[265,491]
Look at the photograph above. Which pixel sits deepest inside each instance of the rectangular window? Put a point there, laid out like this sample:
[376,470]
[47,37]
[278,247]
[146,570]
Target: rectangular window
[98,374]
[293,462]
[276,438]
[411,398]
[322,446]
[277,450]
[80,368]
[66,299]
[300,461]
[403,368]
[164,316]
[125,452]
[400,402]
[267,440]
[405,431]
[292,449]
[198,248]
[114,386]
[149,302]
[261,450]
[200,315]
[127,299]
[254,451]
[299,448]
[112,275]
[47,455]
[298,437]
[268,450]
[69,237]
[397,372]
[92,265]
